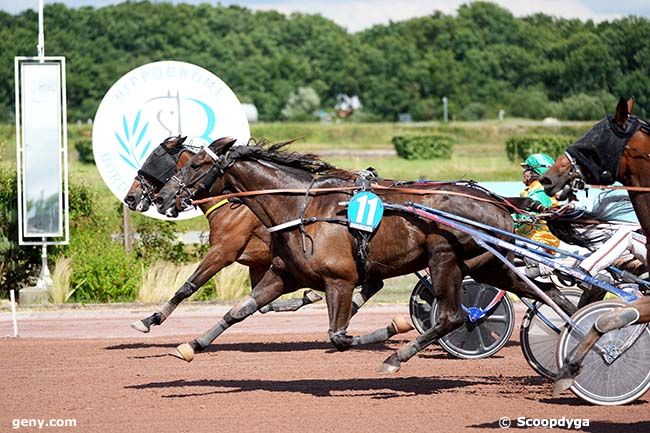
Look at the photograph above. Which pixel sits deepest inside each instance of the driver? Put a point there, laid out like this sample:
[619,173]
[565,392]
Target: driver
[534,167]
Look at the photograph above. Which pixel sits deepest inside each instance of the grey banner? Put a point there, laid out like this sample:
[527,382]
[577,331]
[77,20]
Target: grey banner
[42,144]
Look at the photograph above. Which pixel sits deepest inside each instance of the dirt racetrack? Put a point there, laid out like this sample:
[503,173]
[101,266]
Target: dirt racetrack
[274,373]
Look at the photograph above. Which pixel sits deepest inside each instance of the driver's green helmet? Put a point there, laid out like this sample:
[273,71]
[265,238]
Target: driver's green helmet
[539,163]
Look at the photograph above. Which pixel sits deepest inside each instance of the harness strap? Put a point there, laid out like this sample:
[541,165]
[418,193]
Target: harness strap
[210,153]
[301,226]
[215,207]
[286,225]
[297,222]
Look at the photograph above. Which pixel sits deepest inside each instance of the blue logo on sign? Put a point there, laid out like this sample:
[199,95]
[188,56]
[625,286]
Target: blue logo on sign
[365,211]
[134,137]
[134,146]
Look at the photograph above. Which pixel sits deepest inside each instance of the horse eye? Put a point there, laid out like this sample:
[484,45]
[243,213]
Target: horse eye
[195,165]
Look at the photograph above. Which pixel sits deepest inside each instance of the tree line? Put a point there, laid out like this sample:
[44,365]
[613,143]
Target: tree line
[483,58]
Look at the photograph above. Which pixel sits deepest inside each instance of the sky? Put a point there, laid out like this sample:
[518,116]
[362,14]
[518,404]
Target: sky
[357,15]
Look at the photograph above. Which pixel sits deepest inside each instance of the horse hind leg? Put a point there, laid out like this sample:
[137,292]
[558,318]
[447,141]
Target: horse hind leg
[610,321]
[308,297]
[398,325]
[446,279]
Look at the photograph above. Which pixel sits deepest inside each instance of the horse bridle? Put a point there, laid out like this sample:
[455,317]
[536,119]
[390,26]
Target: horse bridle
[577,178]
[148,188]
[220,164]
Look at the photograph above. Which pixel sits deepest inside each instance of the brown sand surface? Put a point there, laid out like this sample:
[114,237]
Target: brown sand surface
[272,373]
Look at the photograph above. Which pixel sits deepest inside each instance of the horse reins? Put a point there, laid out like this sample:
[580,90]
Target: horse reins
[414,191]
[617,187]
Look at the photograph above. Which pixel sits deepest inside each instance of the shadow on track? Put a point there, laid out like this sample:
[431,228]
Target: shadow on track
[575,401]
[380,388]
[253,347]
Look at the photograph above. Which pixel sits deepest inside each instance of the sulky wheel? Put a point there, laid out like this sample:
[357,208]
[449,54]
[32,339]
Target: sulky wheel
[539,340]
[626,376]
[473,340]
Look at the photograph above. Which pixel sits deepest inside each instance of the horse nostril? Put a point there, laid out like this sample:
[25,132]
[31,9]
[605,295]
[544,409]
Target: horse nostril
[159,201]
[129,199]
[544,180]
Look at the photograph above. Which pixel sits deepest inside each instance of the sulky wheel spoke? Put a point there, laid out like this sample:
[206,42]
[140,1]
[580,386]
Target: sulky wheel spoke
[497,318]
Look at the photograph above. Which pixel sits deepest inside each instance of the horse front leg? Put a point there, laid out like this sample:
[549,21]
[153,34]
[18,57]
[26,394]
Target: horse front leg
[216,259]
[268,289]
[636,312]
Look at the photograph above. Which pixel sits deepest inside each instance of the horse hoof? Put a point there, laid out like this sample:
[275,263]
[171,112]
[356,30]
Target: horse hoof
[311,296]
[401,325]
[184,352]
[140,326]
[562,385]
[391,364]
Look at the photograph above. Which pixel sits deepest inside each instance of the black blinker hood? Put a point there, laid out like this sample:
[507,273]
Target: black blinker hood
[598,151]
[160,165]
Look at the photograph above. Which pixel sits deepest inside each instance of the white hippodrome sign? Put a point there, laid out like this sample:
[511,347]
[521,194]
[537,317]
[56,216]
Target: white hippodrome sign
[156,101]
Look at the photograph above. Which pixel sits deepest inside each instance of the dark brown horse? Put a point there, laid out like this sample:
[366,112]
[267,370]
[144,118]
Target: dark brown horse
[615,149]
[321,253]
[235,235]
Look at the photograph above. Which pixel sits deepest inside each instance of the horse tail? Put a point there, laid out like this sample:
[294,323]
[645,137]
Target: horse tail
[580,226]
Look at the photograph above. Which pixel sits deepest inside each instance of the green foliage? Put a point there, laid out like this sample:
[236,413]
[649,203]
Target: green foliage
[102,270]
[520,147]
[18,265]
[82,202]
[531,103]
[424,146]
[483,54]
[158,241]
[586,107]
[301,105]
[473,111]
[84,149]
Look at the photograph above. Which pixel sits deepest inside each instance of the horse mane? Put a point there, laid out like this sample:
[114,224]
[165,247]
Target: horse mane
[577,227]
[265,150]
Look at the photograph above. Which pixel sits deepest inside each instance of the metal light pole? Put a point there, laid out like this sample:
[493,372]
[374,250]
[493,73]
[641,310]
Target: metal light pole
[445,109]
[41,33]
[45,278]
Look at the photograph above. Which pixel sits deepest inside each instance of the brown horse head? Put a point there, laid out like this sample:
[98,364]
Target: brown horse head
[596,157]
[198,176]
[155,172]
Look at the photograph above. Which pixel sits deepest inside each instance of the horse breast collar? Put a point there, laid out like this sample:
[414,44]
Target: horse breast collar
[598,152]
